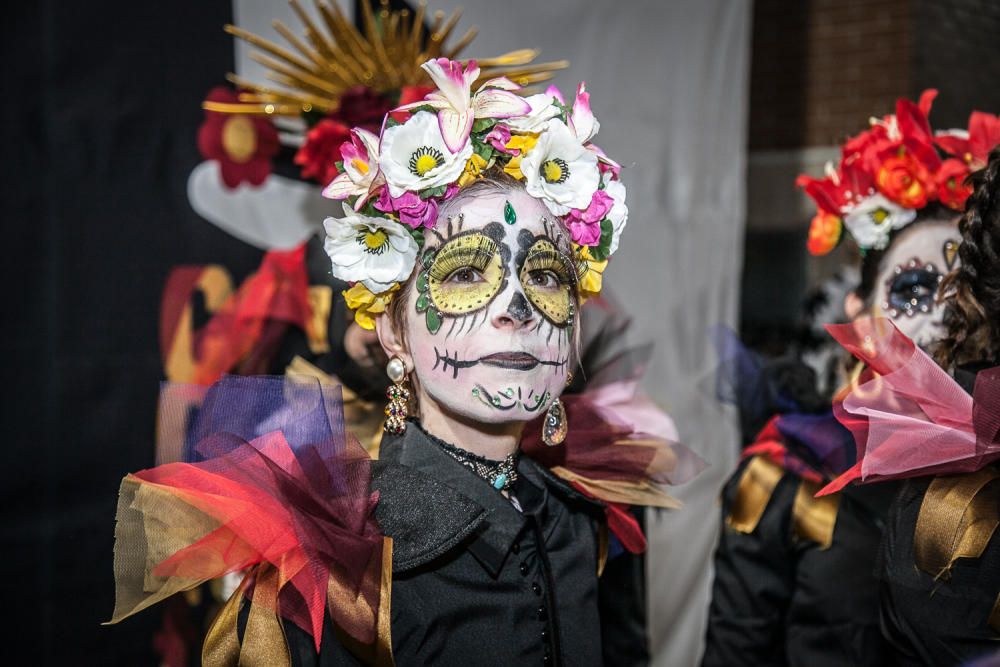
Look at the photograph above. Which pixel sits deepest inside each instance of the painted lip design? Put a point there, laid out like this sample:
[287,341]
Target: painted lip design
[516,361]
[519,361]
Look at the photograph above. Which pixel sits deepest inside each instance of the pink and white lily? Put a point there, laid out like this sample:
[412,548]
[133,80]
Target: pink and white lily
[457,108]
[361,176]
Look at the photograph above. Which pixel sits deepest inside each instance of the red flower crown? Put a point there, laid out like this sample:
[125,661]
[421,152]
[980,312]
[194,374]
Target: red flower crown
[890,171]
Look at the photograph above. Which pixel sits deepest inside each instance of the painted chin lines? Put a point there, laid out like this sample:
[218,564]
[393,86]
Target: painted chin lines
[509,398]
[517,361]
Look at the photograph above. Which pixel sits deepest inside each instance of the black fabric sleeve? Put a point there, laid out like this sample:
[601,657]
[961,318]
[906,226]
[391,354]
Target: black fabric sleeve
[754,582]
[622,602]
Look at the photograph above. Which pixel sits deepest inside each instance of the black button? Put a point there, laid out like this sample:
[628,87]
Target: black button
[516,548]
[545,635]
[542,613]
[547,660]
[536,588]
[524,569]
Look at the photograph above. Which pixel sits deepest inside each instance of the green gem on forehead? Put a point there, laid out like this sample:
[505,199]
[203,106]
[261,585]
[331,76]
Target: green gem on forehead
[508,213]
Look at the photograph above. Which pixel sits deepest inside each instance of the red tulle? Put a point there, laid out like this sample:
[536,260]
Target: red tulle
[909,417]
[251,323]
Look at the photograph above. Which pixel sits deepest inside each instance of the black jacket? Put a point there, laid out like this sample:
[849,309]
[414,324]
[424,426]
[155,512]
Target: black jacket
[475,582]
[780,599]
[952,619]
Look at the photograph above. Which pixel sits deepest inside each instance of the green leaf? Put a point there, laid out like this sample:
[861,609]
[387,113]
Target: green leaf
[422,302]
[391,122]
[483,125]
[601,251]
[422,283]
[484,151]
[433,192]
[433,319]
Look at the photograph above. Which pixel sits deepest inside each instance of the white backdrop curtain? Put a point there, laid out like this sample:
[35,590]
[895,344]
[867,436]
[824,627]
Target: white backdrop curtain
[669,82]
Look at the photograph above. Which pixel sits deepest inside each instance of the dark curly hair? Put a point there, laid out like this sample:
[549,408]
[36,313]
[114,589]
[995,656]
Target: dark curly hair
[972,291]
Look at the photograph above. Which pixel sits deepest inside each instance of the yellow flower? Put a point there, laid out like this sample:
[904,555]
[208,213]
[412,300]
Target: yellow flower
[522,143]
[592,275]
[366,305]
[473,170]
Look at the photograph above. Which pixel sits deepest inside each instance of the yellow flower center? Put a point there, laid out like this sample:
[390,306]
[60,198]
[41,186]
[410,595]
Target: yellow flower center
[424,159]
[374,241]
[239,138]
[360,165]
[555,171]
[879,215]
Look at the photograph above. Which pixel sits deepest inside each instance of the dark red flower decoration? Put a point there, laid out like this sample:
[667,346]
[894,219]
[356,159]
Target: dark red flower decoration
[952,189]
[242,144]
[361,106]
[319,154]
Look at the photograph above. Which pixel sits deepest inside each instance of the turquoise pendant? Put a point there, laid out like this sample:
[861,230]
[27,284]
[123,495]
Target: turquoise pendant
[499,482]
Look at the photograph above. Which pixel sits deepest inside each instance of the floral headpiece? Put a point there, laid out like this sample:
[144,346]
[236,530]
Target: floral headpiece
[892,170]
[393,184]
[334,77]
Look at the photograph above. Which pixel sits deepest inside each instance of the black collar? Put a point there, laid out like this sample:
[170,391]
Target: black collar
[429,503]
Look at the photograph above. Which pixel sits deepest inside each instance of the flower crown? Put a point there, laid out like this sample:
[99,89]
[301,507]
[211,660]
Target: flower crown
[892,170]
[393,184]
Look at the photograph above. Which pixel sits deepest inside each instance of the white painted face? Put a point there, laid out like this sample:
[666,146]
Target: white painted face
[907,284]
[491,315]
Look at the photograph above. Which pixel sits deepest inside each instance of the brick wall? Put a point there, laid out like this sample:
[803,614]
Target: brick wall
[820,68]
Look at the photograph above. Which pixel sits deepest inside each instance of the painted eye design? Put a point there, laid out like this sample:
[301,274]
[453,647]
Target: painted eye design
[912,289]
[466,274]
[548,278]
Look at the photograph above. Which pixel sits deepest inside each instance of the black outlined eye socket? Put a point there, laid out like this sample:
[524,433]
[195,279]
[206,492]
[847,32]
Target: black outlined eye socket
[466,274]
[548,278]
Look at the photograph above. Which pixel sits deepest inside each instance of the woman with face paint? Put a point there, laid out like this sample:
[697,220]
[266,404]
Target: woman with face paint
[474,227]
[940,559]
[795,575]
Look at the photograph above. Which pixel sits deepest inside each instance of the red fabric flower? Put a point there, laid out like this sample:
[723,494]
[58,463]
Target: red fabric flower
[824,233]
[321,151]
[906,181]
[409,95]
[983,135]
[242,144]
[951,186]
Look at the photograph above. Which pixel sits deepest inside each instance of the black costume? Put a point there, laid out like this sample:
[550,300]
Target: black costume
[782,597]
[955,618]
[474,580]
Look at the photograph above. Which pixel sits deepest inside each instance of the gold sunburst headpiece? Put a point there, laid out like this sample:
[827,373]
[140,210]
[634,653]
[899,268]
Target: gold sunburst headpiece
[386,56]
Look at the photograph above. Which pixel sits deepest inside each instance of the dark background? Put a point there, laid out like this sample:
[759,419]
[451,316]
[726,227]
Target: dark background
[102,109]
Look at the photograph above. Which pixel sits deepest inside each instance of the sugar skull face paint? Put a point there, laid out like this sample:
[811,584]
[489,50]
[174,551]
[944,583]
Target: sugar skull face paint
[910,275]
[491,318]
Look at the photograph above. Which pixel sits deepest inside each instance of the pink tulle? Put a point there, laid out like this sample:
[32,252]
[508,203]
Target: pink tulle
[909,417]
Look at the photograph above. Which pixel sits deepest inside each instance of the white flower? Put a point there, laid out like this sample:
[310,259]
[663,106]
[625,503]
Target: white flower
[413,156]
[873,219]
[559,170]
[618,215]
[377,252]
[542,110]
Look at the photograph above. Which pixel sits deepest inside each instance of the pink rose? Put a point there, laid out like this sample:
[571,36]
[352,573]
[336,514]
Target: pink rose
[412,210]
[498,138]
[585,226]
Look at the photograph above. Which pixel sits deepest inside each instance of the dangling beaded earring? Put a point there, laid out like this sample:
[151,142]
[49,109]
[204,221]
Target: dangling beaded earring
[555,425]
[398,395]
